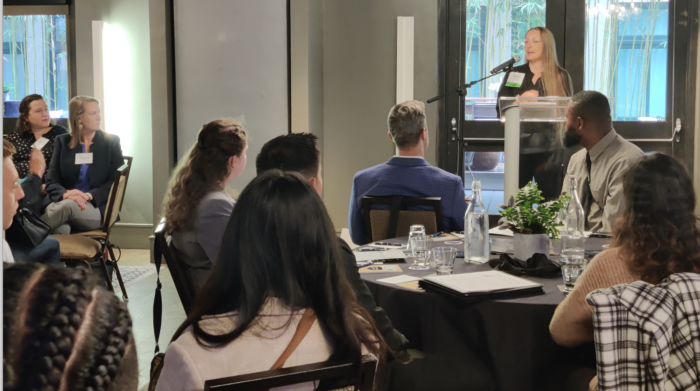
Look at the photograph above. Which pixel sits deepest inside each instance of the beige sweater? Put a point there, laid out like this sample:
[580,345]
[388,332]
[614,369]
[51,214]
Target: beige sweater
[187,364]
[572,323]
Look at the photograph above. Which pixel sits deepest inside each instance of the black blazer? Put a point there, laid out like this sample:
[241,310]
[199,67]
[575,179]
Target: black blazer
[63,172]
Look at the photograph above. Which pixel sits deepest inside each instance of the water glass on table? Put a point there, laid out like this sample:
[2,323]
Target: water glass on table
[444,258]
[420,247]
[413,231]
[571,270]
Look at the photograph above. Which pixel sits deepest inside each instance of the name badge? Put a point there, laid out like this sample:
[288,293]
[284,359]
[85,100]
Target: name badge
[515,79]
[83,158]
[40,143]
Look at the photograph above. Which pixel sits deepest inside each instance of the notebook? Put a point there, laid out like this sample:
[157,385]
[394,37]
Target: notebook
[481,284]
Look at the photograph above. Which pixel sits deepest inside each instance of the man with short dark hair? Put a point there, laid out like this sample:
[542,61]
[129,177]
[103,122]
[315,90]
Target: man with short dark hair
[599,167]
[407,173]
[298,152]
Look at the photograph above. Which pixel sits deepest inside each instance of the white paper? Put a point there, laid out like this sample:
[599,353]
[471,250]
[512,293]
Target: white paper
[479,282]
[40,143]
[398,279]
[361,256]
[83,158]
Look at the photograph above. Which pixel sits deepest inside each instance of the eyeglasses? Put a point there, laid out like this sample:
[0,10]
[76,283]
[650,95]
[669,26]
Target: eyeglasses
[525,42]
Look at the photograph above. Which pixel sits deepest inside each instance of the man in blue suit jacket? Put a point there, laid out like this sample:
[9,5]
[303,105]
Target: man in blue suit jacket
[408,173]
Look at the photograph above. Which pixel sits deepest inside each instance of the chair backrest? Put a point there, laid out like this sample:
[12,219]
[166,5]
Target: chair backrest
[395,222]
[129,160]
[182,280]
[344,372]
[116,197]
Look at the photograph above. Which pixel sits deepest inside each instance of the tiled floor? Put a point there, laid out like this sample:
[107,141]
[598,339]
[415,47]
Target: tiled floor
[141,297]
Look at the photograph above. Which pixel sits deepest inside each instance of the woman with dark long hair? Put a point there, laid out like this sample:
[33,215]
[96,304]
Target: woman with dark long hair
[63,332]
[279,267]
[197,206]
[657,236]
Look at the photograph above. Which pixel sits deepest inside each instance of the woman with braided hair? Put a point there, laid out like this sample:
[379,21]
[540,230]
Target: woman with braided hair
[62,332]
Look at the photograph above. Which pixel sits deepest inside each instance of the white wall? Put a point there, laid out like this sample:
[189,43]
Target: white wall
[130,19]
[231,62]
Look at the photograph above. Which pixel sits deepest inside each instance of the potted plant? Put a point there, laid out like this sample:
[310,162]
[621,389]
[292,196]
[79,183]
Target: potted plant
[533,222]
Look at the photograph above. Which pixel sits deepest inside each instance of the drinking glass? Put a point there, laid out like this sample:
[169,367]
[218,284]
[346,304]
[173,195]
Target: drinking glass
[420,247]
[570,271]
[444,259]
[415,230]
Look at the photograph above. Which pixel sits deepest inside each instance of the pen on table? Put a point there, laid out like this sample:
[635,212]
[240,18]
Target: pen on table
[436,234]
[369,249]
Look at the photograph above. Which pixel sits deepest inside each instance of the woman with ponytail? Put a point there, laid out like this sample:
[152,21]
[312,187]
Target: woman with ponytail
[543,154]
[62,332]
[197,206]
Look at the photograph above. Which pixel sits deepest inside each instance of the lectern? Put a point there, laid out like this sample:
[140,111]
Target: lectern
[532,126]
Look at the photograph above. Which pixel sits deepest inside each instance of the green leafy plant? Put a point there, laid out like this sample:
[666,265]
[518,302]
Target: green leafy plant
[6,88]
[527,214]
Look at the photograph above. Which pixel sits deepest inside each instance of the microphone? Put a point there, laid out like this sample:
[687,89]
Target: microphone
[506,64]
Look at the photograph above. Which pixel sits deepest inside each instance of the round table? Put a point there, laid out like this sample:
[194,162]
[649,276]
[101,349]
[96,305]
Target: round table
[511,334]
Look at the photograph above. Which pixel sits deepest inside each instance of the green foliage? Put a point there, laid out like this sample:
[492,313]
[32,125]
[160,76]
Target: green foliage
[527,214]
[6,87]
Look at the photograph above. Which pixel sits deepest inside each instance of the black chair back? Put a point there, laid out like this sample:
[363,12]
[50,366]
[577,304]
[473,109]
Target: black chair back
[345,373]
[183,282]
[395,222]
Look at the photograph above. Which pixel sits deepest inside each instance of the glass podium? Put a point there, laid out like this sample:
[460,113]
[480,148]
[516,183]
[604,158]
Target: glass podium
[533,145]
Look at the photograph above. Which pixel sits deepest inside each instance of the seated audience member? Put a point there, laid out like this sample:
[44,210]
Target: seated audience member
[657,236]
[197,206]
[49,250]
[297,152]
[279,269]
[81,171]
[408,173]
[62,332]
[600,166]
[11,194]
[34,128]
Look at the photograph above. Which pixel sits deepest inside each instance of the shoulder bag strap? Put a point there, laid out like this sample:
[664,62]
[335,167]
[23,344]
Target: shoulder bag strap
[307,320]
[158,300]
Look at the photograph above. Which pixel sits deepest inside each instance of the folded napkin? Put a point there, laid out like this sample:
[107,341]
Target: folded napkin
[538,265]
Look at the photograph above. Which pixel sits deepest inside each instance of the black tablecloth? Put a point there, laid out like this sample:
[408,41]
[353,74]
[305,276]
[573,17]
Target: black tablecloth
[511,335]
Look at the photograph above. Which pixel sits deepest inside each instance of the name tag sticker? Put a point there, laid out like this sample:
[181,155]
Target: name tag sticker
[515,79]
[40,143]
[83,158]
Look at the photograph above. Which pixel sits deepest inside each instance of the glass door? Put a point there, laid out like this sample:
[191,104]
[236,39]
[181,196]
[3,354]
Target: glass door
[636,53]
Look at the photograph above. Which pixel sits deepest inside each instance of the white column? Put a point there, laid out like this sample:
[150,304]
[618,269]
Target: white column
[404,59]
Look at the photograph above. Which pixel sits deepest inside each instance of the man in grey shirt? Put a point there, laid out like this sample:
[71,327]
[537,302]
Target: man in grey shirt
[599,167]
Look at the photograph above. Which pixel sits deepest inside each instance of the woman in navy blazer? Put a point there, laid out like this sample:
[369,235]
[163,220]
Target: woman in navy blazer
[82,171]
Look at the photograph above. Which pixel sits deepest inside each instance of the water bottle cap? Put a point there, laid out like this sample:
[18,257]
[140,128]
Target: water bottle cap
[476,185]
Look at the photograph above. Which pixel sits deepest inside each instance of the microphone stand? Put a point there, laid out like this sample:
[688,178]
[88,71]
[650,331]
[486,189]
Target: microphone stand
[462,91]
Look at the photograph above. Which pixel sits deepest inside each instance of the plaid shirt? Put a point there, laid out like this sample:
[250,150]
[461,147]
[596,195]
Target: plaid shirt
[647,337]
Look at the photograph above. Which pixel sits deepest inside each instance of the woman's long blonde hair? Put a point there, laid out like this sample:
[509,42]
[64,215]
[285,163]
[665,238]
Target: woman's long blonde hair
[76,108]
[201,170]
[555,80]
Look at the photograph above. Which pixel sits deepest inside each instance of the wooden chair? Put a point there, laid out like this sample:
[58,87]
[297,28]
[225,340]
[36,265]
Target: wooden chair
[93,245]
[344,372]
[395,221]
[182,280]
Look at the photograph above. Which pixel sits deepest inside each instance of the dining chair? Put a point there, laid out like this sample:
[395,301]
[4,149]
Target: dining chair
[342,374]
[183,282]
[95,245]
[395,219]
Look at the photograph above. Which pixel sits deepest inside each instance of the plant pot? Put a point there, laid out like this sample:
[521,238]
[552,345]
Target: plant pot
[525,246]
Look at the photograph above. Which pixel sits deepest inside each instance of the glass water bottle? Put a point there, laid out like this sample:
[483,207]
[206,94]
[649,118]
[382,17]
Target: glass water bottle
[476,229]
